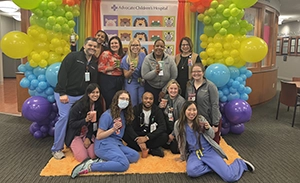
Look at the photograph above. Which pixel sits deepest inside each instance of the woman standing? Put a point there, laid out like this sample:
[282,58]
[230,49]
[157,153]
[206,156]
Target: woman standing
[102,40]
[111,75]
[184,61]
[83,123]
[158,69]
[201,153]
[172,105]
[206,96]
[132,65]
[108,144]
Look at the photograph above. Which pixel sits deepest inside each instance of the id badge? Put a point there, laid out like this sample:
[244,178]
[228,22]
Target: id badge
[170,116]
[161,73]
[95,127]
[153,127]
[190,62]
[192,97]
[87,76]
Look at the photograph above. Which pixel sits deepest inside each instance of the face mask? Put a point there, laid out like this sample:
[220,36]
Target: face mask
[122,104]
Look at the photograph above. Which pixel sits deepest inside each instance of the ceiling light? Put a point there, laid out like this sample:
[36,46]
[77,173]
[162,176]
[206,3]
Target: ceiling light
[8,6]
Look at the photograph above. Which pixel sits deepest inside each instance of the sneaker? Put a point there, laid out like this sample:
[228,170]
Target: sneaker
[82,168]
[58,155]
[250,167]
[157,152]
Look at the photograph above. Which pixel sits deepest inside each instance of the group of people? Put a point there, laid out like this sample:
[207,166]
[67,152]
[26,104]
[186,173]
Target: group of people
[150,102]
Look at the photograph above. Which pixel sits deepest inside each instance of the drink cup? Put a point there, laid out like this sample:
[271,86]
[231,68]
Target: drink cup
[118,120]
[145,153]
[117,63]
[134,62]
[163,103]
[94,116]
[161,65]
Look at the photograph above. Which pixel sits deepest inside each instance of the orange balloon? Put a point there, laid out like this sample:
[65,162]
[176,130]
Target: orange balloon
[193,8]
[200,9]
[193,1]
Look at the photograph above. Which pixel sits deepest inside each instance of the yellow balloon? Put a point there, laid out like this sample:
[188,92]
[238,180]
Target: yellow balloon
[16,44]
[253,49]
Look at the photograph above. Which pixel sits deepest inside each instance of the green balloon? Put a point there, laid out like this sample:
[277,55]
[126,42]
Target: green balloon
[38,12]
[48,13]
[225,24]
[71,23]
[27,4]
[217,26]
[220,8]
[43,5]
[59,11]
[223,32]
[209,31]
[206,20]
[226,12]
[52,20]
[244,3]
[60,20]
[41,21]
[76,13]
[52,6]
[69,15]
[57,28]
[217,18]
[233,28]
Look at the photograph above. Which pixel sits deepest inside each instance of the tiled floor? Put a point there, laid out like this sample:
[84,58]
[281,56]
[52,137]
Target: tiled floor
[8,97]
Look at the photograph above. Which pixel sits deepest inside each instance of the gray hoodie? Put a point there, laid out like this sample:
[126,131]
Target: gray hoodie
[149,71]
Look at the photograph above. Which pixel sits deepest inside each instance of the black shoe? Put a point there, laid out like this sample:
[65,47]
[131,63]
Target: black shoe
[250,167]
[157,152]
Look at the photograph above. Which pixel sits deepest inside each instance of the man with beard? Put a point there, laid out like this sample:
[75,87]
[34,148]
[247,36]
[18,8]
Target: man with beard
[148,131]
[77,71]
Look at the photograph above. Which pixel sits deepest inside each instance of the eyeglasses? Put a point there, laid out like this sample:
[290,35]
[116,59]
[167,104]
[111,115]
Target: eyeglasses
[135,45]
[183,45]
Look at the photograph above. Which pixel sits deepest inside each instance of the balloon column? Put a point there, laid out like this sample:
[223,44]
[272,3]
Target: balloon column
[226,51]
[45,45]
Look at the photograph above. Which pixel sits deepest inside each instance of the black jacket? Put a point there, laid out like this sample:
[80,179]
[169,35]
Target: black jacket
[71,75]
[135,129]
[77,121]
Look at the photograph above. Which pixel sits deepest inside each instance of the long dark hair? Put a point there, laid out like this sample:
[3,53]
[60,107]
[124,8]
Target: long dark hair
[120,51]
[115,110]
[183,120]
[85,100]
[105,39]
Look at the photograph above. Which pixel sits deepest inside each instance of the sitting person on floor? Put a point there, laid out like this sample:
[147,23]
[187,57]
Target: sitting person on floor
[115,156]
[201,153]
[147,132]
[172,104]
[83,123]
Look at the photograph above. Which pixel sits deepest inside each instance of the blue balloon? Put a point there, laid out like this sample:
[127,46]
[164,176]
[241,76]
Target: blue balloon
[233,96]
[225,91]
[31,77]
[244,96]
[239,79]
[230,82]
[42,85]
[232,90]
[223,99]
[248,73]
[243,76]
[27,73]
[51,74]
[220,93]
[42,77]
[241,88]
[31,92]
[51,98]
[243,70]
[21,68]
[234,72]
[28,67]
[235,84]
[34,83]
[24,83]
[248,90]
[38,71]
[219,74]
[49,91]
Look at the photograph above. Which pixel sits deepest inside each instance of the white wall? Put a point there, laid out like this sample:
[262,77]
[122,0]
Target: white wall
[8,65]
[291,67]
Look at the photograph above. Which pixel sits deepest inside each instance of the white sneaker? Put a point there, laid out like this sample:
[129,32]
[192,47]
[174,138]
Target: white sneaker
[250,167]
[58,155]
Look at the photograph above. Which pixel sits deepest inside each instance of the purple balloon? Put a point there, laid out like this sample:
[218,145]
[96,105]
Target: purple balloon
[238,111]
[238,128]
[225,124]
[44,129]
[34,127]
[225,131]
[52,115]
[38,134]
[222,105]
[51,131]
[36,108]
[54,107]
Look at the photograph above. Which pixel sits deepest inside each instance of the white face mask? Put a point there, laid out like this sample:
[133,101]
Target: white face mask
[122,104]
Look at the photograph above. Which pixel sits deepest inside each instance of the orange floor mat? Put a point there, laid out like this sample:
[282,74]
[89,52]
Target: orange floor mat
[153,164]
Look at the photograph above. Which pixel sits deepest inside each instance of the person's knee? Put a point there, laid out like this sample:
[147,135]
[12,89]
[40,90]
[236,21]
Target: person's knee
[135,157]
[194,171]
[80,156]
[124,166]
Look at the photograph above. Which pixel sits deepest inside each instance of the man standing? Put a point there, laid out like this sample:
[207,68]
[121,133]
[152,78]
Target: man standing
[147,131]
[77,70]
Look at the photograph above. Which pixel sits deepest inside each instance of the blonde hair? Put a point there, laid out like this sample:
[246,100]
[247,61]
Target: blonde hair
[129,57]
[173,81]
